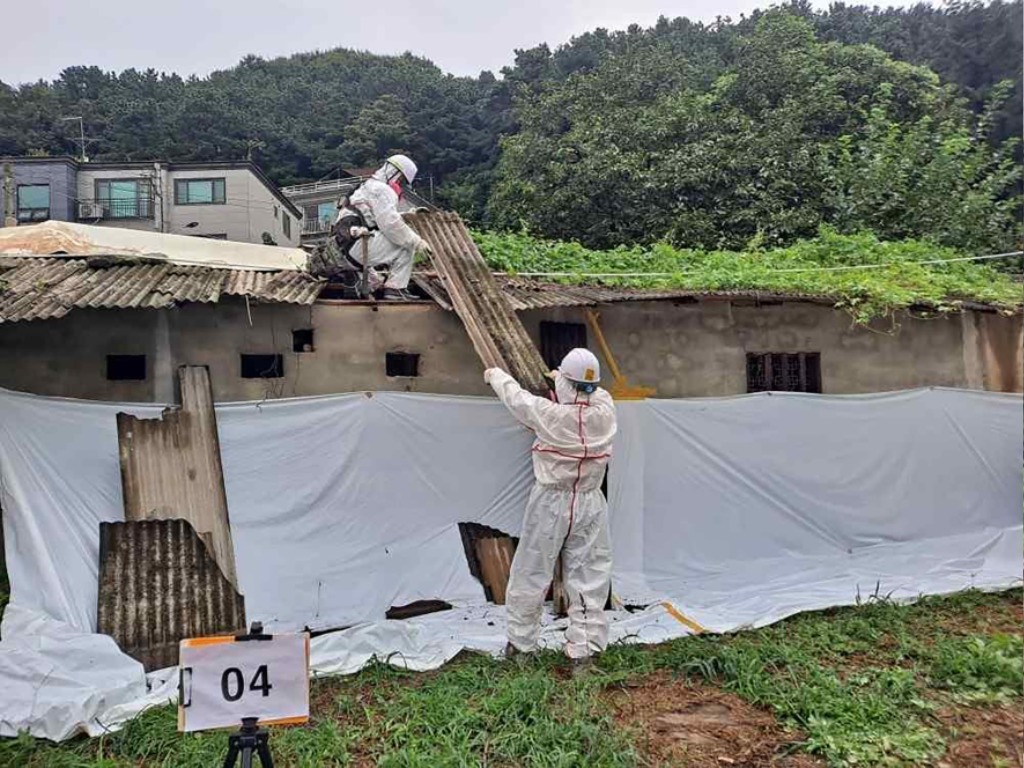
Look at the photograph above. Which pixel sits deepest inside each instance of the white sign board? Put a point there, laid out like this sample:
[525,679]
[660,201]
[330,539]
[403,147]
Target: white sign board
[224,680]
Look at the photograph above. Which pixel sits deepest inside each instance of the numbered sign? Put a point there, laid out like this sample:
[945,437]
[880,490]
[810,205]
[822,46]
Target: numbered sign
[224,679]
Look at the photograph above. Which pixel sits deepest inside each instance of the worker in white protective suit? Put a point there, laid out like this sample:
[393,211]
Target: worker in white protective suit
[372,211]
[567,512]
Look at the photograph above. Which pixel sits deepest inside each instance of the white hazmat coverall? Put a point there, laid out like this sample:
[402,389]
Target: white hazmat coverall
[567,512]
[393,242]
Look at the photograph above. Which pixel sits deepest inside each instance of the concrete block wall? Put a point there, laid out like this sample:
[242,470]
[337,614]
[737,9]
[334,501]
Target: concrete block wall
[683,350]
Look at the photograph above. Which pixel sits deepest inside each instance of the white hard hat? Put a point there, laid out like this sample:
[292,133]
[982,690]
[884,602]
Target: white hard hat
[405,165]
[581,366]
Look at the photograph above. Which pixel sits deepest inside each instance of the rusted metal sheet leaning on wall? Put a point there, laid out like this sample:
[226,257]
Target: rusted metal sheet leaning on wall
[159,584]
[498,336]
[171,467]
[495,558]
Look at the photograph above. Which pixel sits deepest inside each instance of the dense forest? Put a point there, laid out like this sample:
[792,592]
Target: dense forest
[905,122]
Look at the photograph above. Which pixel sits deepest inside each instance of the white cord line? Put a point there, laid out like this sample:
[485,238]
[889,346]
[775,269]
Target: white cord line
[770,271]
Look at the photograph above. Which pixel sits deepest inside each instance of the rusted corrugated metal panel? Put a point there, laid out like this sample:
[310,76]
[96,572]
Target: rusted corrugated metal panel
[496,332]
[495,558]
[37,289]
[171,467]
[159,584]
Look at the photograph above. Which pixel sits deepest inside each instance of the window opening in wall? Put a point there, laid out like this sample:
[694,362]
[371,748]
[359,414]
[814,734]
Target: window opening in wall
[286,225]
[262,366]
[402,364]
[276,211]
[557,339]
[126,367]
[33,202]
[784,372]
[302,340]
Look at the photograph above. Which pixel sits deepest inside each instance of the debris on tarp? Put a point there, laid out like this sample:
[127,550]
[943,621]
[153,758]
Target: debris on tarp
[417,608]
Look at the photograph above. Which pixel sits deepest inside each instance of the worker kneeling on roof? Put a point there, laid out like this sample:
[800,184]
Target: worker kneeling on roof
[372,211]
[567,512]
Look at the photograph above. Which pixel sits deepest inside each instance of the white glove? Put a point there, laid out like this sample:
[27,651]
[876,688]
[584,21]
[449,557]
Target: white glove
[424,248]
[358,231]
[487,374]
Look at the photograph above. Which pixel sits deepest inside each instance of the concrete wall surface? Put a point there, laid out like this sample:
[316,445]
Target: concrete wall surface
[680,349]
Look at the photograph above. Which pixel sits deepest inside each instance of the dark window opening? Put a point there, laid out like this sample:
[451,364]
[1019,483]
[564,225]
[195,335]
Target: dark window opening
[126,367]
[784,372]
[286,225]
[302,340]
[558,339]
[402,364]
[262,366]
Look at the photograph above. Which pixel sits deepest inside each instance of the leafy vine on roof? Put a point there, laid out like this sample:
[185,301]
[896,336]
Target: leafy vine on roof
[893,283]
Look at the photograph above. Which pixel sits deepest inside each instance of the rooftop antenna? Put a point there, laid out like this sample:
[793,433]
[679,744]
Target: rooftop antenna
[81,141]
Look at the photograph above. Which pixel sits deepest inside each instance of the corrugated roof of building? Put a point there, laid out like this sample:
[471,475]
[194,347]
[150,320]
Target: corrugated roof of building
[42,288]
[524,294]
[62,237]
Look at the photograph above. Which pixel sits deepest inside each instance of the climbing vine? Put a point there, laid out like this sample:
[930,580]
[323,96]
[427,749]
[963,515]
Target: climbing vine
[890,281]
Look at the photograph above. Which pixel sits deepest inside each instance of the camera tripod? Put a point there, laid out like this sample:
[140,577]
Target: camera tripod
[248,740]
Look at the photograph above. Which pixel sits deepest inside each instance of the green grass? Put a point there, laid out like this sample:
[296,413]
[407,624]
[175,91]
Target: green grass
[862,684]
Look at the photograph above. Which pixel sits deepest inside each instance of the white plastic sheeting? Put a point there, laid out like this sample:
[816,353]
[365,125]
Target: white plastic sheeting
[739,511]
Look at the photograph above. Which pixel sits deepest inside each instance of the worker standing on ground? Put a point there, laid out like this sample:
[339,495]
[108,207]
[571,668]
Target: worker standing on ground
[567,512]
[372,211]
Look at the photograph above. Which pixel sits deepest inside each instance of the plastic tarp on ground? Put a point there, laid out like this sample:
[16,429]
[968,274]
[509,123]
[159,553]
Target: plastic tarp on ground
[735,512]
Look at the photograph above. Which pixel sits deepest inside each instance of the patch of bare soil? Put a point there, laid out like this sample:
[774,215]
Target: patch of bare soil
[984,737]
[1005,618]
[683,722]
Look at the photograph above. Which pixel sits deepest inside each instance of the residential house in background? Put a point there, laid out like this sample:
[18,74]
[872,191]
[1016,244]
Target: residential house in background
[319,200]
[218,200]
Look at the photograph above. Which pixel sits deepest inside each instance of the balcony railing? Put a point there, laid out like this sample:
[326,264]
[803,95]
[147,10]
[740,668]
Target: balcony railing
[316,226]
[139,208]
[331,185]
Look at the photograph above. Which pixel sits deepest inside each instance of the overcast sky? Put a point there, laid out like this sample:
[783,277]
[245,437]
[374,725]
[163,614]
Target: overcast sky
[191,37]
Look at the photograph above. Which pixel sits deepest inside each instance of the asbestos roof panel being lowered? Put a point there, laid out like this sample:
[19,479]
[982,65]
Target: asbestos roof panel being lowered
[497,334]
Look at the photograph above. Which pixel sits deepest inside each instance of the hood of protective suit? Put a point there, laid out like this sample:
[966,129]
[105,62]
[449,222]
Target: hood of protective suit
[566,392]
[391,176]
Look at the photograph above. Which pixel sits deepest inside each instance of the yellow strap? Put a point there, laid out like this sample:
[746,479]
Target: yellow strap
[675,614]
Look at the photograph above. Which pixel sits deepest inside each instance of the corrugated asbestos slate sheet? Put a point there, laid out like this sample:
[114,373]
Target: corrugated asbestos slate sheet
[497,334]
[42,288]
[158,583]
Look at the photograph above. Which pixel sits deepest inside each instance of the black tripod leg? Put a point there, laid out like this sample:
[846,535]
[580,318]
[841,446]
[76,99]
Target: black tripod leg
[229,761]
[247,757]
[263,750]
